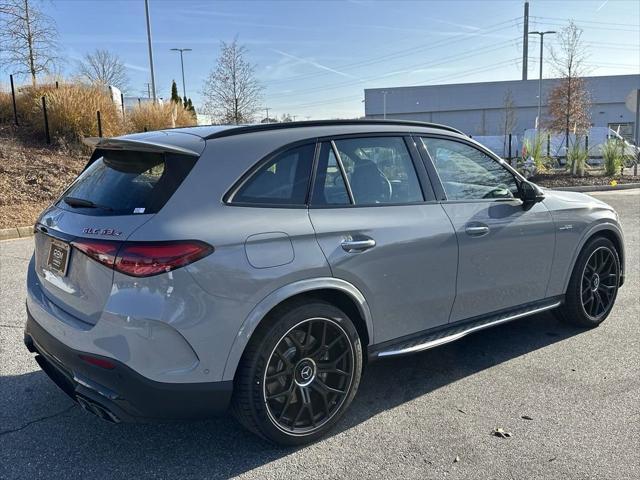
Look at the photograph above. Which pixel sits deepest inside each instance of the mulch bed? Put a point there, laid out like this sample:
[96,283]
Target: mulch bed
[551,180]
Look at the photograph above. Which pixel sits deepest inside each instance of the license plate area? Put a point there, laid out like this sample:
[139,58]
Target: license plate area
[58,257]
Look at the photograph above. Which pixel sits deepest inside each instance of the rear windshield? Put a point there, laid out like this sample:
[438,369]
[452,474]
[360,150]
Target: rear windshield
[126,183]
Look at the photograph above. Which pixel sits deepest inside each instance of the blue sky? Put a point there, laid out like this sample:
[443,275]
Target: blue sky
[316,58]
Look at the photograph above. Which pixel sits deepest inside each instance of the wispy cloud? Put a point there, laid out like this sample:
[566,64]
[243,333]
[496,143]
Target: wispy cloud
[602,5]
[137,68]
[320,66]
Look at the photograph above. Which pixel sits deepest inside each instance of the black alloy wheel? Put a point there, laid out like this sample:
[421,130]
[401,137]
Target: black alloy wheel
[308,375]
[600,279]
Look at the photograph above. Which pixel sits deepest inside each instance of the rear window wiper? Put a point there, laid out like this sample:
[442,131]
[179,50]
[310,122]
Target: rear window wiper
[83,203]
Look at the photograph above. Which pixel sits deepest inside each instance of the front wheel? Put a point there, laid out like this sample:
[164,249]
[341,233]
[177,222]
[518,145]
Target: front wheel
[594,284]
[299,373]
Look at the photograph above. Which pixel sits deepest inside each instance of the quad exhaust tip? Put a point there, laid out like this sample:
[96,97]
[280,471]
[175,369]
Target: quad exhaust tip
[98,410]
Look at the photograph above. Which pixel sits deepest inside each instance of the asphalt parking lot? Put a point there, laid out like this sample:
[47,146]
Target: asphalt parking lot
[425,416]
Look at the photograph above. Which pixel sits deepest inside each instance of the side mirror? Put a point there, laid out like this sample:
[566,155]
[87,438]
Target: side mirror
[530,194]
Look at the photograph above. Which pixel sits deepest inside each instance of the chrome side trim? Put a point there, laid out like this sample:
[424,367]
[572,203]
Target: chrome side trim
[456,336]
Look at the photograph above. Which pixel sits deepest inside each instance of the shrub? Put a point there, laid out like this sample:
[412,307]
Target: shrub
[535,149]
[614,156]
[71,111]
[155,116]
[577,157]
[6,108]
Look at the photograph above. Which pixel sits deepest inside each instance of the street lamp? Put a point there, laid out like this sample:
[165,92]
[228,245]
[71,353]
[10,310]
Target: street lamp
[542,34]
[384,103]
[184,88]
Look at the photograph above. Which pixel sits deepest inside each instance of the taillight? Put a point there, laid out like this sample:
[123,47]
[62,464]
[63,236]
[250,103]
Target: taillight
[143,259]
[146,259]
[102,251]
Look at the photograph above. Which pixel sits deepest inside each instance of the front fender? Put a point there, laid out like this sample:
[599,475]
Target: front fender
[587,234]
[278,296]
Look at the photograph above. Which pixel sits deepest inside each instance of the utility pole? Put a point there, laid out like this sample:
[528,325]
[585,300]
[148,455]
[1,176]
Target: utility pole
[153,80]
[384,103]
[184,88]
[148,90]
[267,109]
[525,41]
[542,34]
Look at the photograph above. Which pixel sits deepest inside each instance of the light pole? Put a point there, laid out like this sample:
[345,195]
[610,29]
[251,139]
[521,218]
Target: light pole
[542,34]
[153,80]
[384,103]
[184,88]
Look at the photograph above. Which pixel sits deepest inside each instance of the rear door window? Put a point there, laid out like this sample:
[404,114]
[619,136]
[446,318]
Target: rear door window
[370,170]
[126,182]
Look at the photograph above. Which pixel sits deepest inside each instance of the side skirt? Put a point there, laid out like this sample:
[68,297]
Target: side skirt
[449,333]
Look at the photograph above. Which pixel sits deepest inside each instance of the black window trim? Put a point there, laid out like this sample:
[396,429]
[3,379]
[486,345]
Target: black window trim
[228,198]
[428,194]
[427,185]
[441,194]
[343,172]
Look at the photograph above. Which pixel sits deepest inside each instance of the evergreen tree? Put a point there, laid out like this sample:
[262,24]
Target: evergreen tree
[174,93]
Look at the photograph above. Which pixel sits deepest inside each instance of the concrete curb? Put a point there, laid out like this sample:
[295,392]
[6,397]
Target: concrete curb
[597,188]
[16,232]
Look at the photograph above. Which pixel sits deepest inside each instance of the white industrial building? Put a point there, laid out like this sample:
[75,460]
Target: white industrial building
[479,108]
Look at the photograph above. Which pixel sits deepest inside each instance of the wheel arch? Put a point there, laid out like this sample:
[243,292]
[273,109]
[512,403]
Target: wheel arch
[333,290]
[607,230]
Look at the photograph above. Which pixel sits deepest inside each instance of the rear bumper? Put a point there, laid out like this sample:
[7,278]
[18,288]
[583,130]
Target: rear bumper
[120,394]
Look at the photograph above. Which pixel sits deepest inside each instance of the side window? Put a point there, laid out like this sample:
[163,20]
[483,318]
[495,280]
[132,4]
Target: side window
[330,187]
[378,170]
[467,173]
[283,180]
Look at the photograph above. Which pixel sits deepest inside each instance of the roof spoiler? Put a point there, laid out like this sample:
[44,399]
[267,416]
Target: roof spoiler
[136,145]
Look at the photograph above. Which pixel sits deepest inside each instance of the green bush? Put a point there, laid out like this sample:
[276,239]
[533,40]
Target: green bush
[614,156]
[536,150]
[577,157]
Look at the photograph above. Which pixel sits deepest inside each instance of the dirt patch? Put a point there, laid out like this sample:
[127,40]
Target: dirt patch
[552,180]
[31,177]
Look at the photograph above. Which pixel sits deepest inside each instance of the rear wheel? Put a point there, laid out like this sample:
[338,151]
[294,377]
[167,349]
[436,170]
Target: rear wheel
[299,373]
[594,284]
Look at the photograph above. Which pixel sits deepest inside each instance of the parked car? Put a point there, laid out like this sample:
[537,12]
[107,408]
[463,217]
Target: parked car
[261,267]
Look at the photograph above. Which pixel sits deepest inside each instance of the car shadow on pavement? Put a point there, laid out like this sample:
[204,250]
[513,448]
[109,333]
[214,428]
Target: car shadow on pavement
[47,433]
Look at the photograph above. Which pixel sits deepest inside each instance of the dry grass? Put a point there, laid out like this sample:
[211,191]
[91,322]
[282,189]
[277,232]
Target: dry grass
[71,110]
[150,116]
[31,178]
[6,108]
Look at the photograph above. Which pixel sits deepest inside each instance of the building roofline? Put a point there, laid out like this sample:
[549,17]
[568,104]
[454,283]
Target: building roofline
[516,80]
[242,129]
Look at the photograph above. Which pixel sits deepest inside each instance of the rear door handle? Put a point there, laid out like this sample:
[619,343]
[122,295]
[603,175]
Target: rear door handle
[360,245]
[477,230]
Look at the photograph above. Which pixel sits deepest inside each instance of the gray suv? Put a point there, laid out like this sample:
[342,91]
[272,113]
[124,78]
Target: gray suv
[259,268]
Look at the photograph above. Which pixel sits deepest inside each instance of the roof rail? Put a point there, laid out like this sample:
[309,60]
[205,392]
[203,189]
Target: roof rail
[323,123]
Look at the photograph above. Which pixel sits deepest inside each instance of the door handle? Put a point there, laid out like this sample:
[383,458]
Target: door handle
[477,230]
[350,245]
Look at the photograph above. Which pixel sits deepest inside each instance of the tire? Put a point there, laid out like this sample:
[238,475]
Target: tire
[299,373]
[593,286]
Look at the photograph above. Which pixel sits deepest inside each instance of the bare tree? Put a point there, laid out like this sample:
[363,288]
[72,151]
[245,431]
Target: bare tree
[569,100]
[509,117]
[232,93]
[103,68]
[27,38]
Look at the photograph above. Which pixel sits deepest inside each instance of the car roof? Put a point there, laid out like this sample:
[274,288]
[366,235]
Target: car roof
[209,132]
